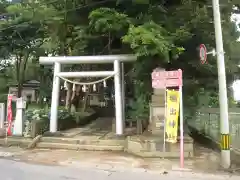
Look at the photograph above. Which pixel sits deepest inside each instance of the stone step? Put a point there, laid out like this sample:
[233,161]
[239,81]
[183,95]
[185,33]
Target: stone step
[157,154]
[144,146]
[83,141]
[76,147]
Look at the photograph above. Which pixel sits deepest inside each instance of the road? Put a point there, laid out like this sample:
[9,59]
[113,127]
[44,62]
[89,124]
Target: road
[43,164]
[16,170]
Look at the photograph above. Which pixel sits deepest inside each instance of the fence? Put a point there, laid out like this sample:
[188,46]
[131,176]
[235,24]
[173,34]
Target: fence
[207,122]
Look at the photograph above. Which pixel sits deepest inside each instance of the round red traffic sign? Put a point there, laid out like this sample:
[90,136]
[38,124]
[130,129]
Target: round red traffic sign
[202,53]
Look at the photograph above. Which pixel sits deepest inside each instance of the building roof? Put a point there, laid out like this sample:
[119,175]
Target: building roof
[29,83]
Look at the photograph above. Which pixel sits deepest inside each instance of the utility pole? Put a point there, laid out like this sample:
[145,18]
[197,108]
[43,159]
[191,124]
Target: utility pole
[223,100]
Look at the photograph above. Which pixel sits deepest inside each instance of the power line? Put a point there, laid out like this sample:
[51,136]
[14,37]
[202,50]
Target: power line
[69,10]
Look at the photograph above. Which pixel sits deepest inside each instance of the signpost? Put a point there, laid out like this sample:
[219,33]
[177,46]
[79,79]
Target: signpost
[163,80]
[203,53]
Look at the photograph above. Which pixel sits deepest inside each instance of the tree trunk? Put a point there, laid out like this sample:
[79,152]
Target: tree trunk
[85,102]
[75,99]
[72,106]
[20,88]
[68,97]
[18,75]
[22,60]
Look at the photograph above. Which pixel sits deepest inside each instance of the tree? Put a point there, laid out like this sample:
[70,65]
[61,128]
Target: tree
[21,37]
[160,33]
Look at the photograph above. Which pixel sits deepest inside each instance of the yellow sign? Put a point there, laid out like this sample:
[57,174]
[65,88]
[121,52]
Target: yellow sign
[173,102]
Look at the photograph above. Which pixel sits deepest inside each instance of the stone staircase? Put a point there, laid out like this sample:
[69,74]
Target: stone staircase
[87,143]
[143,146]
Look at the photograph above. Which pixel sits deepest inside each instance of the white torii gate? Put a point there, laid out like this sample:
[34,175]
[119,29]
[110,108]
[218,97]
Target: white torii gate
[118,81]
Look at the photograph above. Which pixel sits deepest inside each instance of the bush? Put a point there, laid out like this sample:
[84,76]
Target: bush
[139,110]
[38,114]
[66,120]
[40,117]
[37,121]
[138,113]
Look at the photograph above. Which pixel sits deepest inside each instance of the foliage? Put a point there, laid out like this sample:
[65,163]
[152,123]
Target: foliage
[65,120]
[104,20]
[161,33]
[148,39]
[139,110]
[36,115]
[19,40]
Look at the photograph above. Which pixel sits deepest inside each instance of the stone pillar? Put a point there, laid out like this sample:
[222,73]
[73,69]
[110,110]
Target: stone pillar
[2,115]
[157,110]
[55,99]
[20,117]
[118,98]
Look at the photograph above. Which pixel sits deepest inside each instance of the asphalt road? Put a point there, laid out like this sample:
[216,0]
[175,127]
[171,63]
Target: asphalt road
[15,170]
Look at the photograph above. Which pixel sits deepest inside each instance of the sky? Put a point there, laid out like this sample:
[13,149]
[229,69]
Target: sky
[236,18]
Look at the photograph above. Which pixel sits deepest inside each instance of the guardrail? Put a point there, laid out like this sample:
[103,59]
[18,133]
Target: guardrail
[207,122]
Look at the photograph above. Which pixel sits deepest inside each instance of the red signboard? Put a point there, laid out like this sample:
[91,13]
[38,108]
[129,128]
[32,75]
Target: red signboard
[173,82]
[9,114]
[167,74]
[158,84]
[164,79]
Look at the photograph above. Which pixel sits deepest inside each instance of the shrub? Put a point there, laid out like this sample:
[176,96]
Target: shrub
[41,118]
[37,121]
[38,114]
[37,118]
[66,120]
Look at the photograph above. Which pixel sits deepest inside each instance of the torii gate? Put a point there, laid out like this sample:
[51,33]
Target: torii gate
[118,73]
